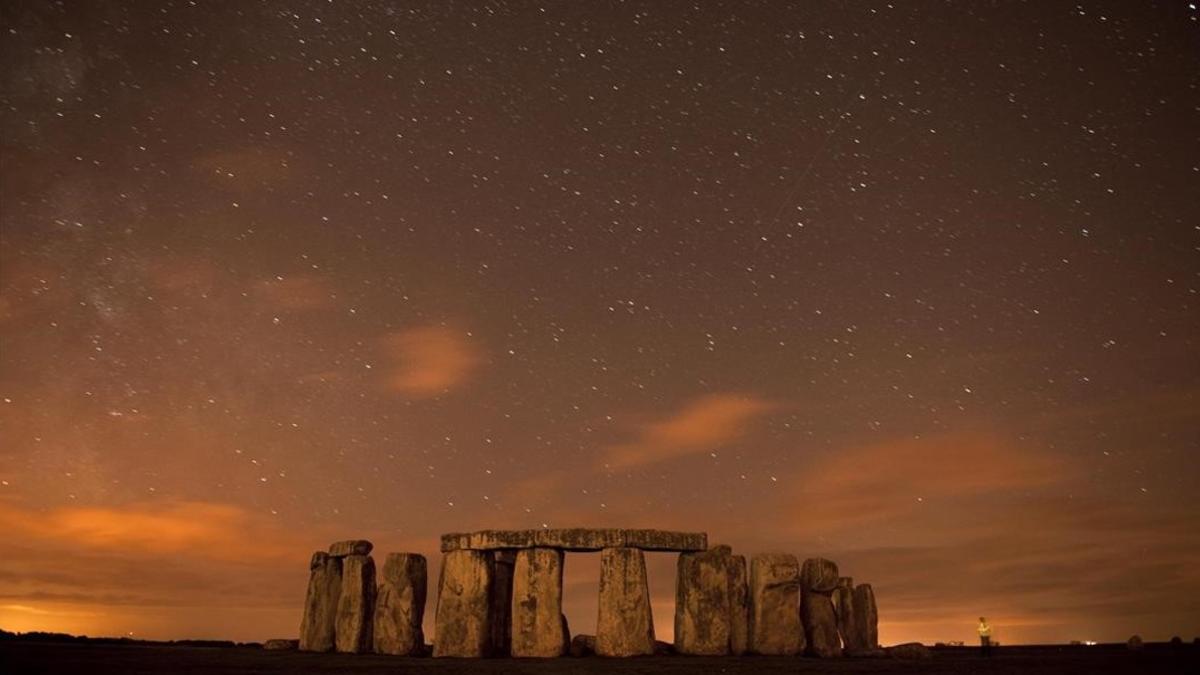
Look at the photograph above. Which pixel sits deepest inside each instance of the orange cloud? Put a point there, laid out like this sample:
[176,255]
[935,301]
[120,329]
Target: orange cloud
[895,478]
[430,360]
[202,529]
[700,425]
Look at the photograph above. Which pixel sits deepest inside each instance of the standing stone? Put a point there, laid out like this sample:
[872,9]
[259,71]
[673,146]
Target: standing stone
[400,605]
[625,626]
[818,579]
[501,592]
[462,623]
[774,605]
[537,619]
[843,609]
[702,602]
[317,627]
[356,606]
[739,606]
[866,617]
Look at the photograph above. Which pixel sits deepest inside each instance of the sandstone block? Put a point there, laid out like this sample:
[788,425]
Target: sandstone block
[583,645]
[739,606]
[820,575]
[575,539]
[702,602]
[341,549]
[356,606]
[910,651]
[775,605]
[663,540]
[843,609]
[625,626]
[462,623]
[537,619]
[318,625]
[820,625]
[866,617]
[281,644]
[400,605]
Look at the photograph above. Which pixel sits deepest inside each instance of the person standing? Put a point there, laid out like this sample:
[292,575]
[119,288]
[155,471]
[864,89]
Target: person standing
[985,637]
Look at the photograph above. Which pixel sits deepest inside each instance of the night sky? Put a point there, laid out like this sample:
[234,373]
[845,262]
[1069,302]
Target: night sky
[910,285]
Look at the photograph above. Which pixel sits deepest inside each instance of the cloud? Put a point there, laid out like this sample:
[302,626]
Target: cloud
[430,360]
[200,529]
[700,425]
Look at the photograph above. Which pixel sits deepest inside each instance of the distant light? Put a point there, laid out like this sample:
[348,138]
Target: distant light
[1089,642]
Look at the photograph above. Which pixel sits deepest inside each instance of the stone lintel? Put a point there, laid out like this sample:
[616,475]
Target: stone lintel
[576,539]
[341,549]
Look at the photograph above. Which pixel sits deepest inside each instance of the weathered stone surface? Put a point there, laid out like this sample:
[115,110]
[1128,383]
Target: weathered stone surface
[281,644]
[843,609]
[575,539]
[866,617]
[583,645]
[500,595]
[318,625]
[739,606]
[664,540]
[702,602]
[818,579]
[356,606]
[537,619]
[775,604]
[820,625]
[579,539]
[400,605]
[820,575]
[462,623]
[910,651]
[341,549]
[625,626]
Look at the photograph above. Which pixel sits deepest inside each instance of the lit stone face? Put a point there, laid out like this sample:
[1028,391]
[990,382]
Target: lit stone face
[463,625]
[537,622]
[625,626]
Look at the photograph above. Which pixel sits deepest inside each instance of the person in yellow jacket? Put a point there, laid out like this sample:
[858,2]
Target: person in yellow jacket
[985,637]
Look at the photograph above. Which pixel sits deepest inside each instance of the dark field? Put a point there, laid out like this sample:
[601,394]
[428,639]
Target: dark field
[22,658]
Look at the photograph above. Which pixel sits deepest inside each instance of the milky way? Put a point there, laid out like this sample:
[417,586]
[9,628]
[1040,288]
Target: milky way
[911,286]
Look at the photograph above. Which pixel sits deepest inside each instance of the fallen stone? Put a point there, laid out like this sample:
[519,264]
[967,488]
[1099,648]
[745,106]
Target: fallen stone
[663,648]
[910,651]
[739,606]
[462,623]
[866,617]
[319,621]
[341,549]
[575,539]
[279,645]
[820,575]
[775,605]
[500,595]
[843,610]
[873,653]
[1134,643]
[356,606]
[537,619]
[400,605]
[702,602]
[583,645]
[625,626]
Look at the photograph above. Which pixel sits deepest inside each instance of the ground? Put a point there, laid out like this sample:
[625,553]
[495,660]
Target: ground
[26,658]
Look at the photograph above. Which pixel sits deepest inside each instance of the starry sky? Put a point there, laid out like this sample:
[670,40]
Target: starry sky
[908,285]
